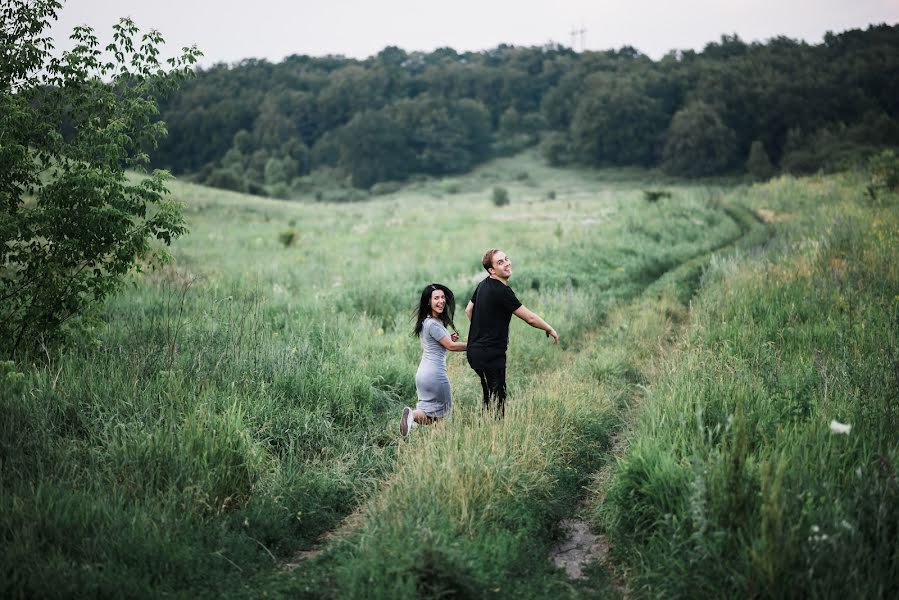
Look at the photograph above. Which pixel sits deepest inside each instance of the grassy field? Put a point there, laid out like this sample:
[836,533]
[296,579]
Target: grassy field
[740,480]
[241,403]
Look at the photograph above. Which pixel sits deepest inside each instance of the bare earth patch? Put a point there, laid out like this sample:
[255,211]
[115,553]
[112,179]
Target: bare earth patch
[766,215]
[580,548]
[350,524]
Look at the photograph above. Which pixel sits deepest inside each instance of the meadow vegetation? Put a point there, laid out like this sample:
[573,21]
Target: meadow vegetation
[763,463]
[238,404]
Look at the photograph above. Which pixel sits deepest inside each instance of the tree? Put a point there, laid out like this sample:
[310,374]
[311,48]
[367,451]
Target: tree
[616,123]
[698,142]
[758,165]
[556,148]
[350,90]
[72,225]
[418,135]
[445,136]
[373,148]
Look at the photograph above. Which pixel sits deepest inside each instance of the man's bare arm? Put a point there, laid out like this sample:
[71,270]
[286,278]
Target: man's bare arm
[534,320]
[468,309]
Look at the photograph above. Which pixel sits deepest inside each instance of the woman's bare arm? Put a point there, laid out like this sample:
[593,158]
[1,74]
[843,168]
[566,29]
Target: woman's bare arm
[448,343]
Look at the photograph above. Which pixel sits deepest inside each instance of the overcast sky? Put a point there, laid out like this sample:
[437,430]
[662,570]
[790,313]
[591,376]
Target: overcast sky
[273,29]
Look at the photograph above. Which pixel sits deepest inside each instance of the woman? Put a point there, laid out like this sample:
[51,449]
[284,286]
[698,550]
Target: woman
[434,315]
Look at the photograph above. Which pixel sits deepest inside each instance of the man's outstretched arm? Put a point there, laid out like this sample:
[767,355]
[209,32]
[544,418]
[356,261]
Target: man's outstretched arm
[534,320]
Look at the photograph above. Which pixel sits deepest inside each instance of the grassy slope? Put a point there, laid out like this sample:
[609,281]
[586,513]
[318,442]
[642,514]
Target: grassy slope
[734,484]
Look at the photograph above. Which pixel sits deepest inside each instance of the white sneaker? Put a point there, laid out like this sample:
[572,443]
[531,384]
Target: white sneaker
[406,421]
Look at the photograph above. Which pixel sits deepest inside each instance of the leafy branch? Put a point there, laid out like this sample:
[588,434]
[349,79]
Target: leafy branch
[71,225]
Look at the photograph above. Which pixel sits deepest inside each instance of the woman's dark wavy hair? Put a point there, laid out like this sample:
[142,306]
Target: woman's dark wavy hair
[424,307]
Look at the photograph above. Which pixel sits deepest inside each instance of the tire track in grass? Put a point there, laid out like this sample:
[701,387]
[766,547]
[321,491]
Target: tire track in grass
[581,547]
[614,442]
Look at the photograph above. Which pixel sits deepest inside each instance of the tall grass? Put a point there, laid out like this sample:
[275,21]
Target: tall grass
[475,504]
[239,404]
[734,483]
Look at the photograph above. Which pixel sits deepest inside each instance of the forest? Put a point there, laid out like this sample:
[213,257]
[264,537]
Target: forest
[735,108]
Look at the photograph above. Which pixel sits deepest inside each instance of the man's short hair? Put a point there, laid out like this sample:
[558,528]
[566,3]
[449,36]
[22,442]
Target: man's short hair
[487,261]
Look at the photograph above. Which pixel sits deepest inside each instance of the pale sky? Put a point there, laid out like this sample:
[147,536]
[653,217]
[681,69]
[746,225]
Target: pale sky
[228,31]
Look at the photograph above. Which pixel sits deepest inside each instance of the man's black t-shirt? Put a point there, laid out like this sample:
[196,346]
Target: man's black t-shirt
[494,302]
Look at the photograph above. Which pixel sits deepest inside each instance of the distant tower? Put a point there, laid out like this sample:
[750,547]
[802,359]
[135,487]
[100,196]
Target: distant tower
[578,33]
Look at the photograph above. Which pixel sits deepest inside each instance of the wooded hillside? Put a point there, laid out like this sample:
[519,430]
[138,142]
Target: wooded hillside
[734,107]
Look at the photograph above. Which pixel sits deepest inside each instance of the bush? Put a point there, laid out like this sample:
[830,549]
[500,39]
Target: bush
[500,196]
[758,165]
[288,237]
[67,138]
[225,179]
[386,187]
[883,169]
[655,195]
[555,147]
[828,149]
[280,190]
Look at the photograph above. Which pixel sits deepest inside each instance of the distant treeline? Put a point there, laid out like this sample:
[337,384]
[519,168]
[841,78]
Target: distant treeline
[732,108]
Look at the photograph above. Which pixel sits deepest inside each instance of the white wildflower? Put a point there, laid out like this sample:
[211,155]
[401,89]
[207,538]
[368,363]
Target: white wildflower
[837,427]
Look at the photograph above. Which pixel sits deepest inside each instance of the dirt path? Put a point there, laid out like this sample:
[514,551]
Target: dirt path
[351,523]
[581,546]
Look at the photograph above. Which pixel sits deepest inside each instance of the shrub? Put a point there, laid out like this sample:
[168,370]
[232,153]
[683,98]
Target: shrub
[288,237]
[255,188]
[500,196]
[67,139]
[225,179]
[655,195]
[758,165]
[883,170]
[386,187]
[280,190]
[555,147]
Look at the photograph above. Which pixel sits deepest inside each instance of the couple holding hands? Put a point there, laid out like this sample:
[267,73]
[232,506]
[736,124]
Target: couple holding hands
[490,310]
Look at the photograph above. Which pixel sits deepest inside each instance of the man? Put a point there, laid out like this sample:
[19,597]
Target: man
[490,310]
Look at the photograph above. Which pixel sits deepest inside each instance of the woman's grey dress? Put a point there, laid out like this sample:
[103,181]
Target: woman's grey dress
[431,382]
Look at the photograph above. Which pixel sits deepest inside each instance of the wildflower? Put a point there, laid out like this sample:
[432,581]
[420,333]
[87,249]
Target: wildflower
[817,537]
[837,427]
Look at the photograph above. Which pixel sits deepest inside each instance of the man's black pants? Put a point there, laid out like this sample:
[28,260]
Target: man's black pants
[493,383]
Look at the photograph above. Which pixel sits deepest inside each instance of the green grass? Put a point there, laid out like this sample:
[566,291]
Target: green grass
[239,404]
[734,484]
